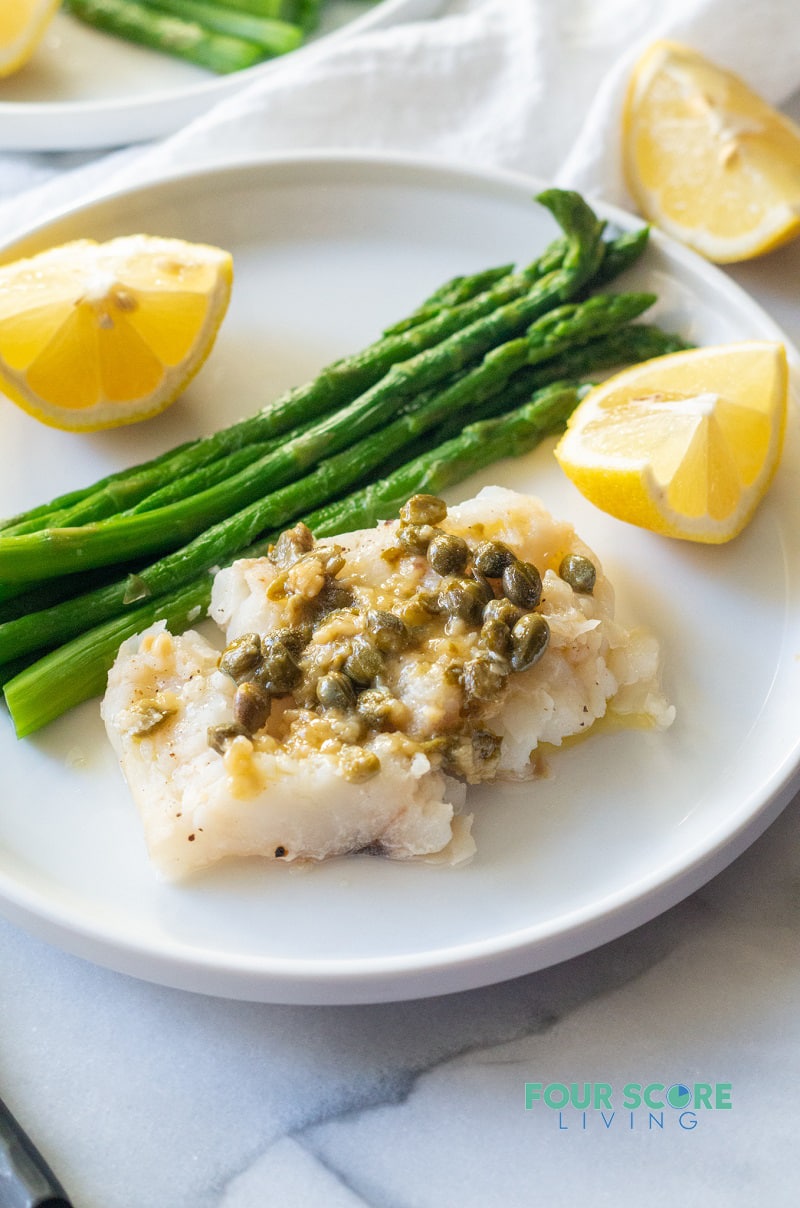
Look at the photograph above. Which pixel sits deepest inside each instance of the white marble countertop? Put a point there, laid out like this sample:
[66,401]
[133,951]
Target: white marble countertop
[145,1097]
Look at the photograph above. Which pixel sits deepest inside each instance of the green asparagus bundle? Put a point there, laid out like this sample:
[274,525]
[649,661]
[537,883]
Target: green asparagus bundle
[479,349]
[272,35]
[216,34]
[339,383]
[92,545]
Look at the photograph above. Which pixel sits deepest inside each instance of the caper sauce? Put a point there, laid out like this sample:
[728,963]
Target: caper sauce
[485,588]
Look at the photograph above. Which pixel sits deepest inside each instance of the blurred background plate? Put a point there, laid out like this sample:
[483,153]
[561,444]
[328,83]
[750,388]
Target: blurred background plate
[84,89]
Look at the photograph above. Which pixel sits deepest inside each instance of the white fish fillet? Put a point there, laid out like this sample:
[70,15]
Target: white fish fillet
[285,793]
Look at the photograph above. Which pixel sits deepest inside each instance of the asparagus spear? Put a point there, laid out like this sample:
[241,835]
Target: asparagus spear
[631,344]
[205,476]
[160,31]
[636,342]
[308,14]
[281,10]
[111,502]
[77,671]
[274,36]
[69,550]
[46,595]
[9,670]
[622,252]
[462,288]
[37,517]
[477,446]
[451,293]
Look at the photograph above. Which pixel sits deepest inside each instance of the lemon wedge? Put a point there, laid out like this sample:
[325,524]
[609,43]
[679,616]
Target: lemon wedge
[95,335]
[686,444]
[707,159]
[22,26]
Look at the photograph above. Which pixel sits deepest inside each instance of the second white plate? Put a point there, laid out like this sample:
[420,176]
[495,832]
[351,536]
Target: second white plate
[85,89]
[327,251]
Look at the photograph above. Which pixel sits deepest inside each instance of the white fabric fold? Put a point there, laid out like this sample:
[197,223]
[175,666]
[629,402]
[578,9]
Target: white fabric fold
[534,86]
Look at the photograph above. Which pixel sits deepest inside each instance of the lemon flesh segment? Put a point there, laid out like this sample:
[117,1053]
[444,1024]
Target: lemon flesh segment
[707,159]
[686,444]
[95,335]
[22,27]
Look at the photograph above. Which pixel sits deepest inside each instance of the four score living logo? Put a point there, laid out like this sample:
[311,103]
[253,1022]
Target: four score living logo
[646,1106]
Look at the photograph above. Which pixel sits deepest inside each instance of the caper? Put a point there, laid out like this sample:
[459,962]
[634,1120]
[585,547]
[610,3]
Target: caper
[482,680]
[529,637]
[428,600]
[448,554]
[579,572]
[333,597]
[423,509]
[414,538]
[389,632]
[241,657]
[496,637]
[501,609]
[364,662]
[491,558]
[462,598]
[295,638]
[483,583]
[278,672]
[292,544]
[375,707]
[522,584]
[420,608]
[335,691]
[251,706]
[220,737]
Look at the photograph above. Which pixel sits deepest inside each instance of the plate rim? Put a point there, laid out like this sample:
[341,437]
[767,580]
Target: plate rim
[479,962]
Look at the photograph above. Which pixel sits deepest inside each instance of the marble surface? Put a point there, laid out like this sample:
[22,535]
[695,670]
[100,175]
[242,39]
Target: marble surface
[145,1097]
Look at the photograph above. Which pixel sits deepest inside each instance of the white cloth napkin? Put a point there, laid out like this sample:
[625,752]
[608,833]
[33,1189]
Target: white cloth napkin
[529,85]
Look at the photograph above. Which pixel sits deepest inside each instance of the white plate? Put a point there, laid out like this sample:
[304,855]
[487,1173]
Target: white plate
[85,89]
[326,252]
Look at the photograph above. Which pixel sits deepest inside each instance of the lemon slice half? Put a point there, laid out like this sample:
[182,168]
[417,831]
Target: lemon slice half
[95,335]
[707,159]
[22,26]
[685,444]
